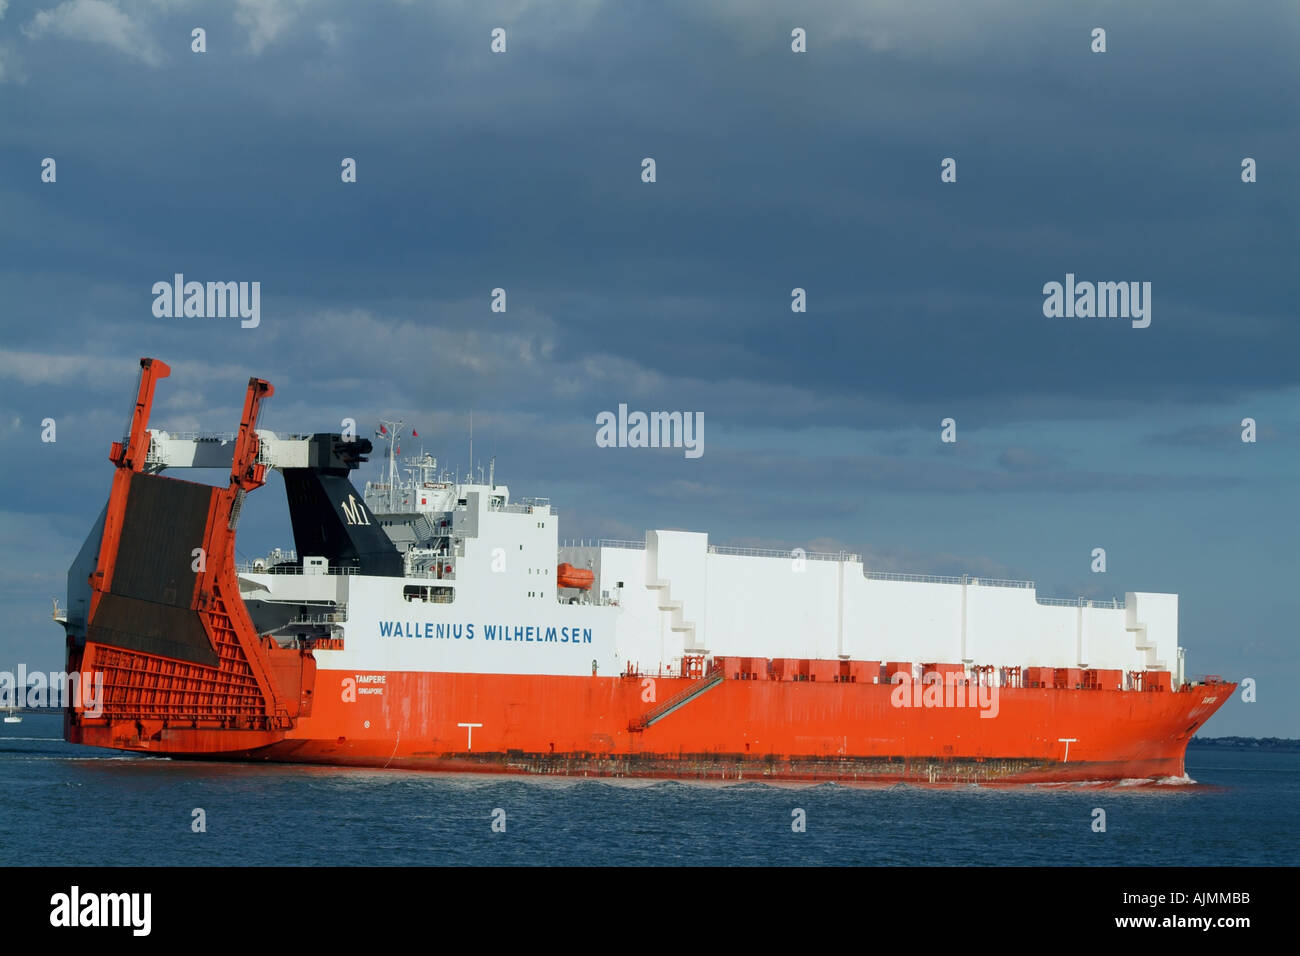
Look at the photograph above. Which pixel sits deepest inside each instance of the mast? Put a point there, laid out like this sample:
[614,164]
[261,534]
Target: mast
[392,429]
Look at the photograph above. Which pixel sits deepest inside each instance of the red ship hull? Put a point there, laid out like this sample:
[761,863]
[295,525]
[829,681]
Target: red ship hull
[777,730]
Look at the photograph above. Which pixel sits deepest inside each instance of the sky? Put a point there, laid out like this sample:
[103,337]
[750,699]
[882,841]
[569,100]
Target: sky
[774,170]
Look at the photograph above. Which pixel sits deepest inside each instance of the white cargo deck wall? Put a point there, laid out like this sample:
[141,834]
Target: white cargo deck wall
[762,607]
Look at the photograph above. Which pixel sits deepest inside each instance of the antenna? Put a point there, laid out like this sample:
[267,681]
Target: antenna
[471,444]
[492,472]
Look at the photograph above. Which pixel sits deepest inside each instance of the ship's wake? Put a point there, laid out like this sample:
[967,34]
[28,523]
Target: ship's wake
[1126,782]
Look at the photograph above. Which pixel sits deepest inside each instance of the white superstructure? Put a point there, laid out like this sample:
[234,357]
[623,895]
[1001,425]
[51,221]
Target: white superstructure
[679,594]
[479,595]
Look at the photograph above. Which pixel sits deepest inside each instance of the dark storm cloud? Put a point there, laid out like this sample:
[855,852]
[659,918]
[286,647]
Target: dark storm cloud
[774,172]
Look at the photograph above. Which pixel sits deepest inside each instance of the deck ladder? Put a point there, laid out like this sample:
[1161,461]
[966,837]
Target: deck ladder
[677,701]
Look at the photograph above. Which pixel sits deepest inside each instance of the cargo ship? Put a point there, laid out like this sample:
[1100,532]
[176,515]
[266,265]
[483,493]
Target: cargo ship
[434,621]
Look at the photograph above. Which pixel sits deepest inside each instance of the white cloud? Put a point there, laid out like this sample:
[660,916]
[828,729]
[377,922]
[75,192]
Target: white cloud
[96,21]
[32,368]
[99,371]
[907,27]
[265,20]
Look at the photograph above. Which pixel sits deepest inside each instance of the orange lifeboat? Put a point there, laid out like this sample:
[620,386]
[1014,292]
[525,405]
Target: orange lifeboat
[567,576]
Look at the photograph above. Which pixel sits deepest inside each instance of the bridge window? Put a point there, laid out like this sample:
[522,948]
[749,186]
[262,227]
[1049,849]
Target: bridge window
[427,594]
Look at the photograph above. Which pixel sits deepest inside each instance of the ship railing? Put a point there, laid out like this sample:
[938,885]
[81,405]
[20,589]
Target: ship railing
[194,435]
[603,543]
[791,553]
[1113,603]
[620,543]
[248,567]
[197,436]
[276,556]
[947,579]
[430,574]
[333,617]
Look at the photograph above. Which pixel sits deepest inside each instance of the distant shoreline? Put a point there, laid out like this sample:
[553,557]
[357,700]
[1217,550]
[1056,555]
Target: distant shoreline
[1274,744]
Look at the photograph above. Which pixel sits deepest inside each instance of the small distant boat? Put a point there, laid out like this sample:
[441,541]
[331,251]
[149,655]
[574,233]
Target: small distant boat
[13,719]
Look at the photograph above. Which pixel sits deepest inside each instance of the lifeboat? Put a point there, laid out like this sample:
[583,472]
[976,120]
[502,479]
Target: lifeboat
[567,576]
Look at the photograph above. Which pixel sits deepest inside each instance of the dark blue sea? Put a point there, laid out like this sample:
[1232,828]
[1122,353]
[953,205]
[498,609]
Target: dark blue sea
[67,805]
